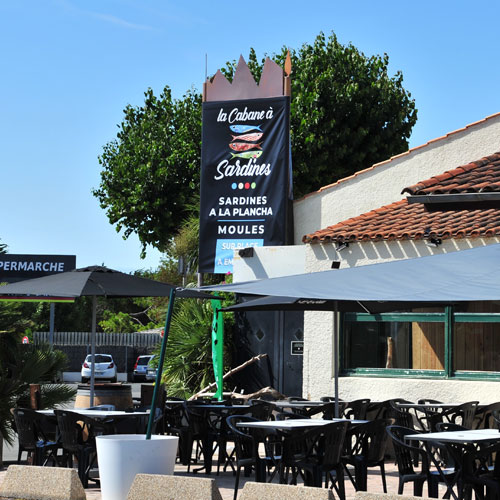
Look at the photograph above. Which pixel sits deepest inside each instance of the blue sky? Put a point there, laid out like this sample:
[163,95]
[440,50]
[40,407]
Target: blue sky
[70,67]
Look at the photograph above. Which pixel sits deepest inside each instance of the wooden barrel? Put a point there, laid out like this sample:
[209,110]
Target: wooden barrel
[119,395]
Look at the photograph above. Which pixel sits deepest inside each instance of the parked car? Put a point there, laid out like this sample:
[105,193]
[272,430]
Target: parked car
[141,367]
[151,371]
[105,367]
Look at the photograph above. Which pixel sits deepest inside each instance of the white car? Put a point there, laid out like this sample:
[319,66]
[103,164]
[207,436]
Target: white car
[105,367]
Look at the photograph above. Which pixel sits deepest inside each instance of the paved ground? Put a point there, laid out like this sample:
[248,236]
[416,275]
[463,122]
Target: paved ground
[225,482]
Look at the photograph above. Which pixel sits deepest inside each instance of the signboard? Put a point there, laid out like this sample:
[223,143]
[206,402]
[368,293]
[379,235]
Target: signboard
[17,267]
[244,178]
[26,340]
[297,348]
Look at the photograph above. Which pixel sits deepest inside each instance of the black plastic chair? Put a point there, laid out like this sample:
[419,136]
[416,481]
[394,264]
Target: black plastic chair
[462,414]
[365,445]
[356,410]
[31,427]
[301,455]
[478,474]
[332,466]
[402,416]
[484,416]
[247,450]
[202,433]
[286,415]
[423,413]
[177,424]
[312,452]
[405,453]
[78,434]
[261,410]
[327,410]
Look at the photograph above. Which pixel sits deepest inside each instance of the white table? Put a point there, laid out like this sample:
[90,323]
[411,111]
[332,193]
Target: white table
[295,423]
[299,404]
[456,437]
[469,436]
[100,413]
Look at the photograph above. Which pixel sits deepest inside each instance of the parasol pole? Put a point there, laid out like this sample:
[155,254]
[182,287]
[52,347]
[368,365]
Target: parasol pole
[336,357]
[92,349]
[218,347]
[160,363]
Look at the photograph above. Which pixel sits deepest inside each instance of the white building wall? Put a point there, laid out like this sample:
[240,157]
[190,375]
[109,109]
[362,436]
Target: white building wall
[382,184]
[269,262]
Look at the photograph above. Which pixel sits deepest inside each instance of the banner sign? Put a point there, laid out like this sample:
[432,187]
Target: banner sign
[244,178]
[17,267]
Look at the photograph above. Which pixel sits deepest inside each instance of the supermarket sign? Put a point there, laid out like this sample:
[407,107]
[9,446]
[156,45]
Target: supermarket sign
[18,267]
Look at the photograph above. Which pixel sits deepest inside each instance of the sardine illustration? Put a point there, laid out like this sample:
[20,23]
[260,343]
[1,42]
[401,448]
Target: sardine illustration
[248,137]
[243,129]
[247,154]
[243,146]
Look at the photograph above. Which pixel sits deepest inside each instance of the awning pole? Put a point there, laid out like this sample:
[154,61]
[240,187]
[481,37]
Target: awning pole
[160,363]
[92,349]
[336,357]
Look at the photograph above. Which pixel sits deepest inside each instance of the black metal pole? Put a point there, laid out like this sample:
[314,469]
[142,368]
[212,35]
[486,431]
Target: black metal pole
[336,357]
[160,363]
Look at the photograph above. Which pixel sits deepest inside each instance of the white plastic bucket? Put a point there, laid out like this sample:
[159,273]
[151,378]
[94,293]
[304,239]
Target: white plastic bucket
[122,456]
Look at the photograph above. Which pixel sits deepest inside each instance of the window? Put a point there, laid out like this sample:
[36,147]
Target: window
[464,343]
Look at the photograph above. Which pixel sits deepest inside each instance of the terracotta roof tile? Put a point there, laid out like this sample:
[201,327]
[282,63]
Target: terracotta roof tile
[475,177]
[403,220]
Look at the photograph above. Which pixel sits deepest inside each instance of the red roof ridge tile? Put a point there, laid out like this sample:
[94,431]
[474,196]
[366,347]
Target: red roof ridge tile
[405,153]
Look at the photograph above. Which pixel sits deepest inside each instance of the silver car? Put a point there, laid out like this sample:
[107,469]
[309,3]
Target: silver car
[151,371]
[141,367]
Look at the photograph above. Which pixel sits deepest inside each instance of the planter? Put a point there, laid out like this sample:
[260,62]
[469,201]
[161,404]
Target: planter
[122,456]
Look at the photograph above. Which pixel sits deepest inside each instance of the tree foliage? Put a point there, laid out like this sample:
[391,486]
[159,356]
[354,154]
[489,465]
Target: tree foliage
[151,171]
[188,358]
[22,365]
[347,113]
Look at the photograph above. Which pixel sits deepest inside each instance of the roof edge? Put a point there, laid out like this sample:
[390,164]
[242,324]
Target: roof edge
[392,158]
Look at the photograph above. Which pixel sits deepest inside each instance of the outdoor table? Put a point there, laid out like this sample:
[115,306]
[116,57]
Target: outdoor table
[101,413]
[295,423]
[298,404]
[429,406]
[454,437]
[221,408]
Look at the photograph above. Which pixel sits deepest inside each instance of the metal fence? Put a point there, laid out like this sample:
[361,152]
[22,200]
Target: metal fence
[83,338]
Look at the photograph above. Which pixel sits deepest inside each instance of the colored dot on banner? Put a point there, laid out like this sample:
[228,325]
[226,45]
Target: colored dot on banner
[254,185]
[240,185]
[234,185]
[247,185]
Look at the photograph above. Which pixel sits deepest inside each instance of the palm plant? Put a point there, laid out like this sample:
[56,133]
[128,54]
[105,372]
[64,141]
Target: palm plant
[188,358]
[22,365]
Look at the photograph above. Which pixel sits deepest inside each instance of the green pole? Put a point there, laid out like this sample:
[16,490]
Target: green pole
[160,363]
[218,347]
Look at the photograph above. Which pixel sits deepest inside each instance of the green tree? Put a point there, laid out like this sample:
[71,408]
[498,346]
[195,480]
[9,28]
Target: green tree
[347,113]
[151,170]
[22,365]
